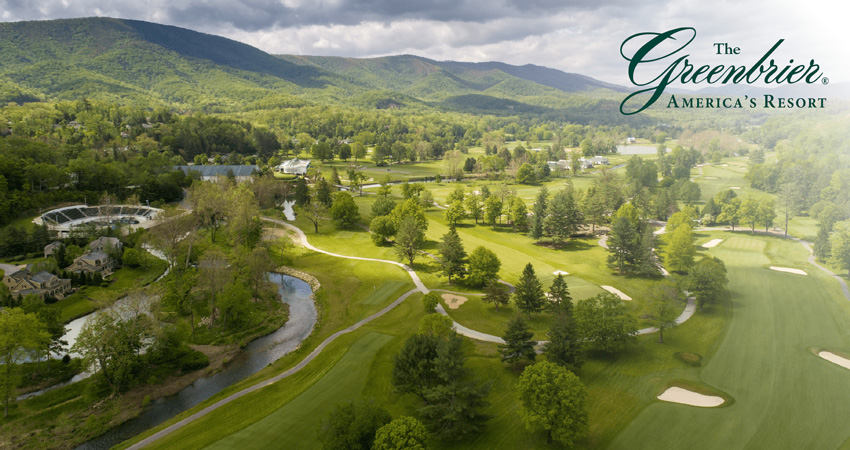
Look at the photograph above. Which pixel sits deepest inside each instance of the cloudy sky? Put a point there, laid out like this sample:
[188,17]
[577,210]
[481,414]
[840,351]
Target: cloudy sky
[580,36]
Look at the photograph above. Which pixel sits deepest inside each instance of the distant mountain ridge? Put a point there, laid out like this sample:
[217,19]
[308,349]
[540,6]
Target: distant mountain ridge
[143,62]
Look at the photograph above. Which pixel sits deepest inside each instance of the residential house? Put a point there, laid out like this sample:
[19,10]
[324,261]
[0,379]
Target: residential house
[42,284]
[91,262]
[105,244]
[599,161]
[562,164]
[51,247]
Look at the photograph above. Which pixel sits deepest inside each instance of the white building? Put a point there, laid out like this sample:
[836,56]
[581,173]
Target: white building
[295,166]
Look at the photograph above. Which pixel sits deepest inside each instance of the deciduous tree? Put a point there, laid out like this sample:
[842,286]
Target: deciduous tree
[20,334]
[403,433]
[553,400]
[483,266]
[663,306]
[352,426]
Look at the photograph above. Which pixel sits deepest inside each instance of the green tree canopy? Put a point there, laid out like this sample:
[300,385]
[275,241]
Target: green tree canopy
[403,433]
[553,400]
[483,266]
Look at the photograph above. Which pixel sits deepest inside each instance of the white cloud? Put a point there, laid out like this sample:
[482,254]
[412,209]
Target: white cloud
[579,36]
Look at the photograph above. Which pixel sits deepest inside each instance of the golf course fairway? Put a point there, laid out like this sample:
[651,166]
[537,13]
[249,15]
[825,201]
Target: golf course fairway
[285,428]
[785,396]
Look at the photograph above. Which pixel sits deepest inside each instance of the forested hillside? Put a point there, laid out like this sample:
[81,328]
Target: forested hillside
[144,63]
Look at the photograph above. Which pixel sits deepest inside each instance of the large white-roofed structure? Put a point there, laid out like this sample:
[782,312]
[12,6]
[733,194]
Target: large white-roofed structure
[62,220]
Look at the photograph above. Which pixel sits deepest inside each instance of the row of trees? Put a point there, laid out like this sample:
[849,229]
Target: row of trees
[727,208]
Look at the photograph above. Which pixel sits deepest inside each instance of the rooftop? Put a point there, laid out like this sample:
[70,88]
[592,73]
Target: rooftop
[222,171]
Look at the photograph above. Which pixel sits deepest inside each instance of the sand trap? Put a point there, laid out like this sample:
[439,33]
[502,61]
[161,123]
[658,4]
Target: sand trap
[453,301]
[789,270]
[560,272]
[616,292]
[833,358]
[725,165]
[686,397]
[712,243]
[735,187]
[711,178]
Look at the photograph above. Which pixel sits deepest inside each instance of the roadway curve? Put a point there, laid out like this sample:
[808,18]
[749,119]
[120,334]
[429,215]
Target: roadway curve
[420,287]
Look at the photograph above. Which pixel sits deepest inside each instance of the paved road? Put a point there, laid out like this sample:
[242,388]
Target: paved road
[841,282]
[420,287]
[302,238]
[154,437]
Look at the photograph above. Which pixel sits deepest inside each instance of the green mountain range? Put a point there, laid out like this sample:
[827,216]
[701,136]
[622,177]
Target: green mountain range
[146,63]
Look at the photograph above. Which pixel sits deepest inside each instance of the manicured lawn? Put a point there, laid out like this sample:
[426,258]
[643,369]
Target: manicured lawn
[295,424]
[480,316]
[785,396]
[380,295]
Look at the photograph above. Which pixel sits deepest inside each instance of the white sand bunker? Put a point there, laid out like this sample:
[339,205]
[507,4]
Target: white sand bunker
[711,178]
[712,243]
[735,187]
[686,397]
[453,301]
[833,358]
[788,269]
[560,272]
[616,292]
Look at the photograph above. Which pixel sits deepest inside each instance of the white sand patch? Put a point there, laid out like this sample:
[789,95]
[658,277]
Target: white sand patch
[686,397]
[616,292]
[712,243]
[453,301]
[833,358]
[789,270]
[711,178]
[725,165]
[560,272]
[735,187]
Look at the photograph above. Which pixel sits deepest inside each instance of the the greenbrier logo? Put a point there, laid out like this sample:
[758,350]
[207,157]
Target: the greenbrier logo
[657,49]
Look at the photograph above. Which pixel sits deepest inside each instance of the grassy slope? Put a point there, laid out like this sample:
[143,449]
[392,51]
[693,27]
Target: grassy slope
[785,396]
[285,428]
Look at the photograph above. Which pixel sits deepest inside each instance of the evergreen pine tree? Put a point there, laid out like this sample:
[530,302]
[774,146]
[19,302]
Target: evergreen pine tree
[453,255]
[529,296]
[562,218]
[539,209]
[565,346]
[518,343]
[560,301]
[621,243]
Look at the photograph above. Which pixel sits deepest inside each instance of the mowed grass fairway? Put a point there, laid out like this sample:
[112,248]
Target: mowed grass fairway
[285,427]
[785,396]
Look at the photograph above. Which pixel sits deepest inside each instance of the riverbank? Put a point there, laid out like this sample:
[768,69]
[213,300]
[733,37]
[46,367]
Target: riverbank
[75,414]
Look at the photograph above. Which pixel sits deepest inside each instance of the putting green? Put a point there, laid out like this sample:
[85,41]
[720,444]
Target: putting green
[785,396]
[286,427]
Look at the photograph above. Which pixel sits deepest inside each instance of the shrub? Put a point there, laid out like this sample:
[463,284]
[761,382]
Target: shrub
[193,360]
[430,302]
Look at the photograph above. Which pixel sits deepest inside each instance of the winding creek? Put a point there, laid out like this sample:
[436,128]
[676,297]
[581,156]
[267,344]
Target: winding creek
[254,357]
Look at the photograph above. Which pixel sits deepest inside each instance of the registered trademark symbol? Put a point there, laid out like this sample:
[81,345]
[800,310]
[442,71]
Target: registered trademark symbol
[824,80]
